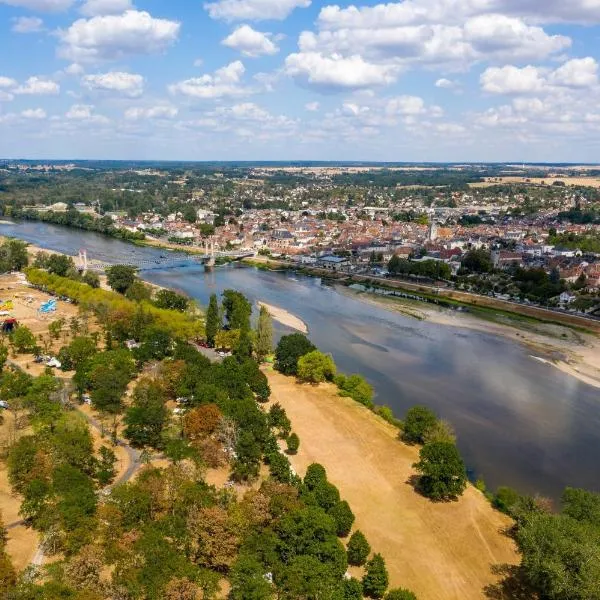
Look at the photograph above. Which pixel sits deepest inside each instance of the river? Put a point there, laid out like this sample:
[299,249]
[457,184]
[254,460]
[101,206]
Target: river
[519,422]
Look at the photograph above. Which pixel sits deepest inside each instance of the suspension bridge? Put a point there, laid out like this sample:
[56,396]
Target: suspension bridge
[207,258]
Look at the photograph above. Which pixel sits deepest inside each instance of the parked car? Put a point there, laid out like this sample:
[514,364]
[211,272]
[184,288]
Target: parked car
[4,405]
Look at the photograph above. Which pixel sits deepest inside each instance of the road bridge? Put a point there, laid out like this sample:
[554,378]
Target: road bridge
[85,263]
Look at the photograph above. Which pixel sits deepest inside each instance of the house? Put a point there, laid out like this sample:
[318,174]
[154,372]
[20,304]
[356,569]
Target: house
[333,263]
[504,259]
[566,298]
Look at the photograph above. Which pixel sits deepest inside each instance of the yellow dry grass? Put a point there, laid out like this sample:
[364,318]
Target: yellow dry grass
[568,181]
[442,551]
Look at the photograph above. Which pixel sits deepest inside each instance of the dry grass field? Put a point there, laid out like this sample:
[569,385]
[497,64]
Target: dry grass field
[568,181]
[442,551]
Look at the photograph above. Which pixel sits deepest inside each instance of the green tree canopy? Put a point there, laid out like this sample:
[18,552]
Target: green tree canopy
[289,350]
[316,367]
[121,277]
[376,579]
[419,420]
[443,473]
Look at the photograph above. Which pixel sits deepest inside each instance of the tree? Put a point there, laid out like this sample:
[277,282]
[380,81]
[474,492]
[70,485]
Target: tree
[147,416]
[400,594]
[560,556]
[92,279]
[181,589]
[358,549]
[23,340]
[442,431]
[202,421]
[443,473]
[316,367]
[55,328]
[138,291]
[375,580]
[293,443]
[356,387]
[59,264]
[76,353]
[13,255]
[8,575]
[278,419]
[120,277]
[213,320]
[477,261]
[248,581]
[237,310]
[264,334]
[315,476]
[343,517]
[419,420]
[170,300]
[327,495]
[105,469]
[289,350]
[352,589]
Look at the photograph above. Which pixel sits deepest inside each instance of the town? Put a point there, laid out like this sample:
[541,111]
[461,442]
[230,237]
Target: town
[527,234]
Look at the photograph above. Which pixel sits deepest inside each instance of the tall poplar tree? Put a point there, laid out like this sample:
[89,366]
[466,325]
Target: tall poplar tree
[264,334]
[213,320]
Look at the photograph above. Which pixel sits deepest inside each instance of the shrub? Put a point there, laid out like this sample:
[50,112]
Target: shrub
[355,387]
[327,495]
[315,475]
[352,589]
[343,517]
[316,367]
[375,580]
[418,421]
[358,549]
[293,443]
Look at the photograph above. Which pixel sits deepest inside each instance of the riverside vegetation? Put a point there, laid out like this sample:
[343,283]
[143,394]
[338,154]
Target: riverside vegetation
[169,534]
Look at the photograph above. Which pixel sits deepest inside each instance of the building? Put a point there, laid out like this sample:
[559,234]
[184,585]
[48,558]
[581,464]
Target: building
[333,263]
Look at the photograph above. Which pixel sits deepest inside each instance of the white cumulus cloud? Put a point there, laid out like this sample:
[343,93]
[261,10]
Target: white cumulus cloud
[511,80]
[114,37]
[336,72]
[253,10]
[250,42]
[128,84]
[42,5]
[94,8]
[27,25]
[34,113]
[85,113]
[226,81]
[153,112]
[7,82]
[38,86]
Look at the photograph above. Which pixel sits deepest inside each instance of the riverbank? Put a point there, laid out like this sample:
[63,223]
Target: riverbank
[441,551]
[285,318]
[572,352]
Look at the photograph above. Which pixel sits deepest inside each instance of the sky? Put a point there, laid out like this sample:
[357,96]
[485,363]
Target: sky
[415,80]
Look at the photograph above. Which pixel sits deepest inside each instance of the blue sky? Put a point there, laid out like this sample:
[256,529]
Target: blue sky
[417,80]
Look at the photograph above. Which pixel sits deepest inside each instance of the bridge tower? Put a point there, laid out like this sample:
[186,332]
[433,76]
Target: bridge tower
[209,250]
[83,261]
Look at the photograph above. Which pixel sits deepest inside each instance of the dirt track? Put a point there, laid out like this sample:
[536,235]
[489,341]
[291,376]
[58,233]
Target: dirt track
[440,551]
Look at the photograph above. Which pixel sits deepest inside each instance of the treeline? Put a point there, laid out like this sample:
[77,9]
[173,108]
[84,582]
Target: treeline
[433,269]
[122,315]
[585,242]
